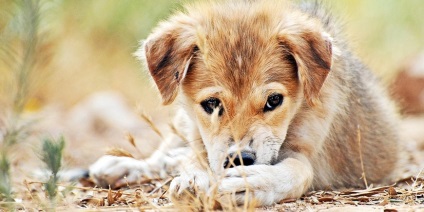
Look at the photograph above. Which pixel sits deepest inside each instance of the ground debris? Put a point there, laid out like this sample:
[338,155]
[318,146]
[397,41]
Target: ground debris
[152,195]
[146,196]
[402,193]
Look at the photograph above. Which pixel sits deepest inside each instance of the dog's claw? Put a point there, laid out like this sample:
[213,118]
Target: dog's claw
[189,183]
[177,189]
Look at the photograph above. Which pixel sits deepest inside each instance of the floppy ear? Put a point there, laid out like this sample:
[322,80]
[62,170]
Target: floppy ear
[167,53]
[312,52]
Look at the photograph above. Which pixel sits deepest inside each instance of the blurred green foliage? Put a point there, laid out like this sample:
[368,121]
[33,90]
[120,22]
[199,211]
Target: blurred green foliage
[385,33]
[18,50]
[125,20]
[5,182]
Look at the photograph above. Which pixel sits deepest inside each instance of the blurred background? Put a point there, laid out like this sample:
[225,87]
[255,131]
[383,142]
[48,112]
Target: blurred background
[67,68]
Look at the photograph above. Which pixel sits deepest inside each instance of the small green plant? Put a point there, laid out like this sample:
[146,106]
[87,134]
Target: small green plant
[51,155]
[5,188]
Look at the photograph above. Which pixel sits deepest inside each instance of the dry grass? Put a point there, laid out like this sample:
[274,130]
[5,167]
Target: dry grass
[364,176]
[151,195]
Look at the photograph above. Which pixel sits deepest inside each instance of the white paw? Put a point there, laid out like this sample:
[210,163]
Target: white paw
[117,171]
[190,183]
[255,181]
[266,184]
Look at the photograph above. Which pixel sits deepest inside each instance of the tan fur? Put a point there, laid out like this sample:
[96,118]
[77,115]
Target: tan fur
[240,52]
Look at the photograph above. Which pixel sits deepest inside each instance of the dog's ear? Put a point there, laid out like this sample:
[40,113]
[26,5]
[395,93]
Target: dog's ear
[312,52]
[167,53]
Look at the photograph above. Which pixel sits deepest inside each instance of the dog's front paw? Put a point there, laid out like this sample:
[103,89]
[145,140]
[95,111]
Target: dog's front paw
[264,184]
[189,185]
[117,171]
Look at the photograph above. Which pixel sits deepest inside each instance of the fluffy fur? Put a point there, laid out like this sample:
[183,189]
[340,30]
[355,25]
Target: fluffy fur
[240,52]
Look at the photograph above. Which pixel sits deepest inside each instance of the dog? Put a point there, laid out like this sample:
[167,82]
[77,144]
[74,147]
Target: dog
[273,104]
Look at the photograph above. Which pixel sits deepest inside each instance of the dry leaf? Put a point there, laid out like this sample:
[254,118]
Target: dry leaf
[385,201]
[364,199]
[139,197]
[93,201]
[365,191]
[87,182]
[349,202]
[110,199]
[314,200]
[392,192]
[290,200]
[117,195]
[326,199]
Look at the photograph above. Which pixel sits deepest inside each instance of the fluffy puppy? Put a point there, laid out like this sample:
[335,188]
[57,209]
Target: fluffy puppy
[275,102]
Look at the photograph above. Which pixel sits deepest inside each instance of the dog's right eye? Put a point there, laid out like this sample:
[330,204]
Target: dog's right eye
[273,101]
[209,105]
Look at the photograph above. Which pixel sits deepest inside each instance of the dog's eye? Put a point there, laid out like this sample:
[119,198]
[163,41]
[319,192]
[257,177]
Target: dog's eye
[210,104]
[274,100]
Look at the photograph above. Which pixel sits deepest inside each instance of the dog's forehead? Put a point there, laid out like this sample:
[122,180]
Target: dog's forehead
[239,50]
[236,38]
[239,56]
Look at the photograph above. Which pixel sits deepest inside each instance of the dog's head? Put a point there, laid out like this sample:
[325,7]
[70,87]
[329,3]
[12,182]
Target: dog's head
[242,71]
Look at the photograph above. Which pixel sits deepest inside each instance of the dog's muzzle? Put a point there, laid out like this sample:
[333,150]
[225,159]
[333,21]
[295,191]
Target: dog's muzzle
[246,159]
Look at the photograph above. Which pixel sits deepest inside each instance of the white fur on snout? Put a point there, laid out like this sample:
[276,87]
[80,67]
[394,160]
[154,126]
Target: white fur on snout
[267,145]
[215,118]
[237,148]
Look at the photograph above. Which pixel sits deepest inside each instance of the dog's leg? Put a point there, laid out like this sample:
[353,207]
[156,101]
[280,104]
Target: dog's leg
[195,175]
[268,184]
[117,171]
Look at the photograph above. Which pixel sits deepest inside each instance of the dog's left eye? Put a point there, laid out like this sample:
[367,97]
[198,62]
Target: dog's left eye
[210,104]
[273,101]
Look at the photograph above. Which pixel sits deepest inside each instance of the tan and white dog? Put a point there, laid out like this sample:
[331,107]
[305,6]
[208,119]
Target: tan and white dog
[271,100]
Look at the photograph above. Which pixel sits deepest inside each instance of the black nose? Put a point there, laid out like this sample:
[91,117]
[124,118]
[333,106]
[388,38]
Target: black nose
[247,159]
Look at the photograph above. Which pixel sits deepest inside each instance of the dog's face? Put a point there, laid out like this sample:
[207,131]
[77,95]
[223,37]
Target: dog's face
[242,73]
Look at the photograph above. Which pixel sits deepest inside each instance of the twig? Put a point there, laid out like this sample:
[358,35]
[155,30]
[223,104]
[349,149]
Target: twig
[176,132]
[364,177]
[156,189]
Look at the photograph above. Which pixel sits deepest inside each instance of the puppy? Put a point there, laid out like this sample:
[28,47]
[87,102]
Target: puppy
[274,104]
